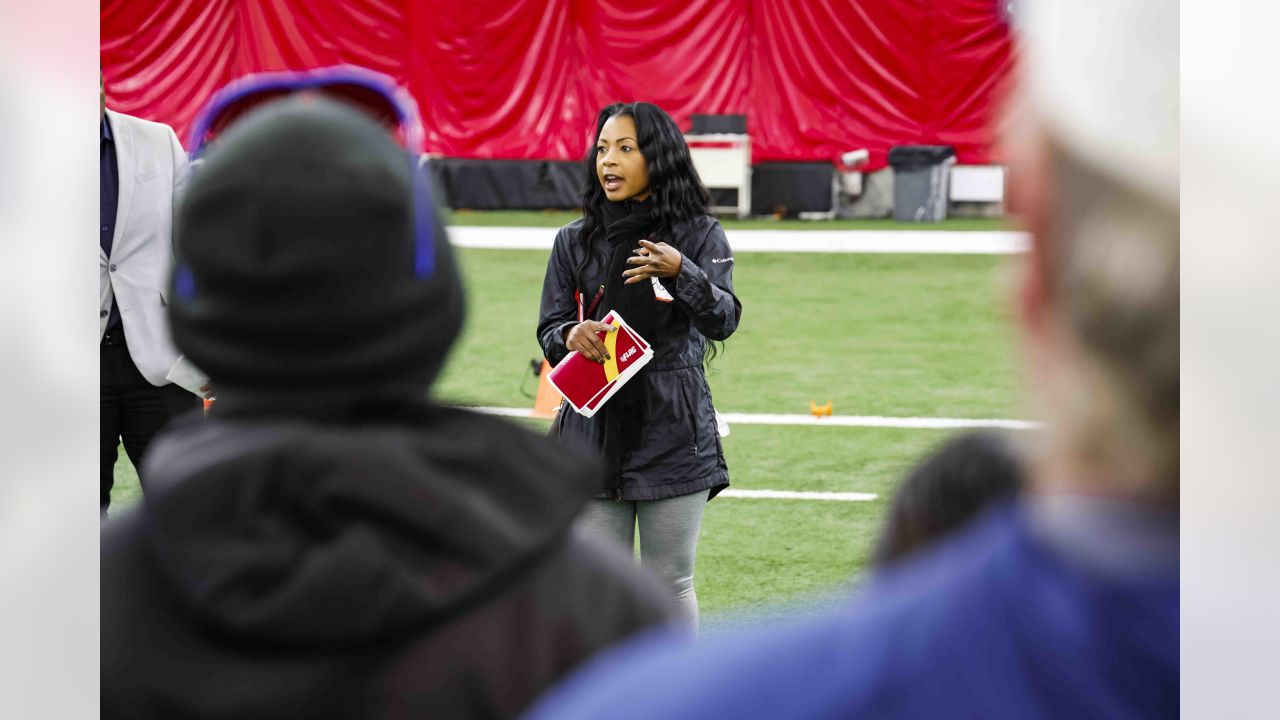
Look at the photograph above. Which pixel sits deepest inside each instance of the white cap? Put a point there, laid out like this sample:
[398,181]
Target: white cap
[1103,76]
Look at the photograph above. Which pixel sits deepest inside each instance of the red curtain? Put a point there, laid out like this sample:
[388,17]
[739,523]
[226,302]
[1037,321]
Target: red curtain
[525,78]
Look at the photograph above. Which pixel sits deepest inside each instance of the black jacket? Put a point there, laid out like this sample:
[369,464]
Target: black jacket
[673,447]
[416,563]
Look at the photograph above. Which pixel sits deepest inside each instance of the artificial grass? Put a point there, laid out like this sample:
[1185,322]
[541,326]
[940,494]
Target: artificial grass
[753,554]
[824,459]
[126,490]
[897,335]
[556,218]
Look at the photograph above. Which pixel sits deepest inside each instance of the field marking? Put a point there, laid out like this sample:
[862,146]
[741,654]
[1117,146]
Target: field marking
[875,421]
[951,242]
[830,421]
[797,495]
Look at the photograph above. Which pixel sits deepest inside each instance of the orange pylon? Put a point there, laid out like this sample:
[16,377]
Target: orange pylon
[820,410]
[548,400]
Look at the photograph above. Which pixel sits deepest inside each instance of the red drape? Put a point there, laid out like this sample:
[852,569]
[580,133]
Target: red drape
[525,78]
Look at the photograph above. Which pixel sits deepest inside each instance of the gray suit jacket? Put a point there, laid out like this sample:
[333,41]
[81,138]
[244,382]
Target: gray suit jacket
[153,170]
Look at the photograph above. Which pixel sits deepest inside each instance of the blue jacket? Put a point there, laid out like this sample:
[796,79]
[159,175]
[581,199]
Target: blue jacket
[993,624]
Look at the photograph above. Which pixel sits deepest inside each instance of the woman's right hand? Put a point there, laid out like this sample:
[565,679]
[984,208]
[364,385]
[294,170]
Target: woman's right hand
[583,338]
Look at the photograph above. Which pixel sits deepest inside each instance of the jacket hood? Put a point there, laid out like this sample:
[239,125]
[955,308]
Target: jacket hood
[298,532]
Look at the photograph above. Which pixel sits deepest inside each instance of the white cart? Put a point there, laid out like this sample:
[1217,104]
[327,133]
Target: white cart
[723,161]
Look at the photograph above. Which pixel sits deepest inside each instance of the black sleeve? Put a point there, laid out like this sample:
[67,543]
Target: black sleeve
[558,308]
[704,285]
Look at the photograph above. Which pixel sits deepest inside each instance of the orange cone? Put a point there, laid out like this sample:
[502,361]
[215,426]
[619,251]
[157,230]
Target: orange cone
[548,401]
[819,410]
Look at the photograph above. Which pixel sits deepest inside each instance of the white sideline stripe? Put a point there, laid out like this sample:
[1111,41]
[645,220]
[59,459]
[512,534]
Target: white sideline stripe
[982,242]
[795,495]
[874,421]
[834,420]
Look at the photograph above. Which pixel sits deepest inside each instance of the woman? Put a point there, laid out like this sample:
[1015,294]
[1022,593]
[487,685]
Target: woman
[646,248]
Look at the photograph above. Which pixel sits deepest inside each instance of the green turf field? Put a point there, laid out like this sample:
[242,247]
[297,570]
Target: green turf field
[897,335]
[903,335]
[556,218]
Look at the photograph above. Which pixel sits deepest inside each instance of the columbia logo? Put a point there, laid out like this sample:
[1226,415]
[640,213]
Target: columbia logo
[721,260]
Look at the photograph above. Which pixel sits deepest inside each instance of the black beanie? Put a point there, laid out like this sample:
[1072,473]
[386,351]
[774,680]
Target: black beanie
[297,232]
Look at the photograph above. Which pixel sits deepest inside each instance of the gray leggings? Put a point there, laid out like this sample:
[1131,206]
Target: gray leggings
[668,537]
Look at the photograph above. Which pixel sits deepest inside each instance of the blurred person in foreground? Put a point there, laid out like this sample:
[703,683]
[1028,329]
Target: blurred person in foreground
[329,542]
[964,477]
[143,169]
[1066,602]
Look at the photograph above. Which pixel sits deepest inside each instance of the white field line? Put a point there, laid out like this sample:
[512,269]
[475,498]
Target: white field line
[985,242]
[830,421]
[795,495]
[837,420]
[874,421]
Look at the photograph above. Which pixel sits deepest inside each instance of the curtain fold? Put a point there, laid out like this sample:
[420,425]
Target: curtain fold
[523,79]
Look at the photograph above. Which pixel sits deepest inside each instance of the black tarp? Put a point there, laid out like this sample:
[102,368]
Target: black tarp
[792,188]
[508,184]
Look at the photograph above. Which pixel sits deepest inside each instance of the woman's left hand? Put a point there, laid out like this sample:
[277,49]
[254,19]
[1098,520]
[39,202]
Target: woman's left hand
[652,260]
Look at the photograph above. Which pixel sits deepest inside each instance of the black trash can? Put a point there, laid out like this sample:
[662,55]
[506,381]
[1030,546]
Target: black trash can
[921,174]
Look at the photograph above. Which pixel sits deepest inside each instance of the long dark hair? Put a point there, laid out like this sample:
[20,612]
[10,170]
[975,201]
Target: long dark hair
[677,191]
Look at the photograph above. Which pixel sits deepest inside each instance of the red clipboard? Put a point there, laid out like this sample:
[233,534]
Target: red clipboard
[588,385]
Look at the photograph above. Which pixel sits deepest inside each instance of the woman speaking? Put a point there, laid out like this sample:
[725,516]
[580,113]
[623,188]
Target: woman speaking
[645,248]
